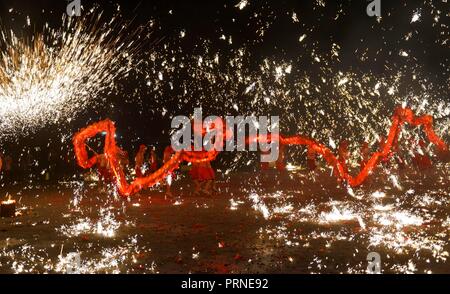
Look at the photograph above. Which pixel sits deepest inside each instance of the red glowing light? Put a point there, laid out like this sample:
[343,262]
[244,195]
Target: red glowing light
[400,117]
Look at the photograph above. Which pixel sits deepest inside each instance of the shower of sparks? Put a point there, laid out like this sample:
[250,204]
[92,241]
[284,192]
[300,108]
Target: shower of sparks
[57,73]
[328,101]
[106,226]
[408,226]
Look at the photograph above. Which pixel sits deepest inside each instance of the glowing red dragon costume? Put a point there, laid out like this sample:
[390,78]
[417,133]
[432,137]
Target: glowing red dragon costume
[400,117]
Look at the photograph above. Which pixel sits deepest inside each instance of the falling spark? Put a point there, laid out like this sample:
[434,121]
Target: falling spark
[415,17]
[242,4]
[404,53]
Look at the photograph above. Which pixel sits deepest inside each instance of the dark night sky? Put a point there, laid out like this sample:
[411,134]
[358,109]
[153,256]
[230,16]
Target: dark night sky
[205,20]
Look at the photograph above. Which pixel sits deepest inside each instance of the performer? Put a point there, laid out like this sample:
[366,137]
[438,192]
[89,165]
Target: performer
[398,156]
[342,158]
[343,154]
[281,162]
[421,160]
[264,166]
[203,176]
[365,150]
[139,161]
[195,178]
[385,161]
[153,160]
[210,179]
[123,158]
[7,166]
[104,171]
[444,157]
[166,157]
[311,159]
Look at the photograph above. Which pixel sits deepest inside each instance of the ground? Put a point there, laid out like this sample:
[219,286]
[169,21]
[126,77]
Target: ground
[293,222]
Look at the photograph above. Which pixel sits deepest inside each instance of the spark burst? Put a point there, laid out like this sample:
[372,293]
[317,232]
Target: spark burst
[57,73]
